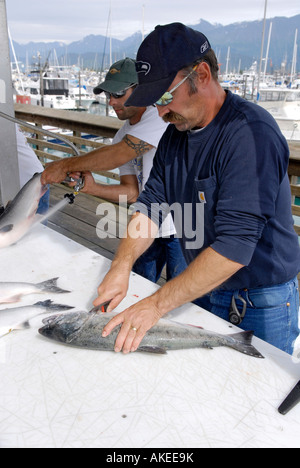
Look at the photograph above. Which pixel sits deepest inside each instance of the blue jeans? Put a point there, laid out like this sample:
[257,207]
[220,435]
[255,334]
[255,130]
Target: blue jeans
[272,312]
[163,251]
[44,203]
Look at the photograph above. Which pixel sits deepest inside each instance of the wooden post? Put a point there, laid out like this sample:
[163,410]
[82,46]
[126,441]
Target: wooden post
[9,168]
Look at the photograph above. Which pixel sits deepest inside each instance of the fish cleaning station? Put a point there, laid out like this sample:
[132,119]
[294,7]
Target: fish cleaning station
[55,395]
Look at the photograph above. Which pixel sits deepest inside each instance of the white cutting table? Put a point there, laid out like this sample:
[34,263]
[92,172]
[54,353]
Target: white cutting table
[52,395]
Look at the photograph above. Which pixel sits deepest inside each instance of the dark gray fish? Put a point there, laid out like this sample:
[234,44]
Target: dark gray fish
[19,214]
[84,329]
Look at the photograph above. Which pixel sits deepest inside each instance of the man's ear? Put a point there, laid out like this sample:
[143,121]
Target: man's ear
[204,73]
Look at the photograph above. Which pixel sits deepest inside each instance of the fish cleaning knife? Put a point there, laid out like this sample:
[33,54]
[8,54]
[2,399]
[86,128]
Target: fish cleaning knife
[100,308]
[291,400]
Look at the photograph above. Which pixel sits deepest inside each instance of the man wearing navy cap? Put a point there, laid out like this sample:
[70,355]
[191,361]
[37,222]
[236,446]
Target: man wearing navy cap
[222,164]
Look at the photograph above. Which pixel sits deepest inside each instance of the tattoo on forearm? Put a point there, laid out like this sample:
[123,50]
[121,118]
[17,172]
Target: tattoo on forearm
[140,148]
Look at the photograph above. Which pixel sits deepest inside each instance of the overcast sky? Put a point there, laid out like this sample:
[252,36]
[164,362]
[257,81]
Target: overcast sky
[71,20]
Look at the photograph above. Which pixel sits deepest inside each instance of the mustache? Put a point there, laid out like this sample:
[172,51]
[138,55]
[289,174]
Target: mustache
[172,117]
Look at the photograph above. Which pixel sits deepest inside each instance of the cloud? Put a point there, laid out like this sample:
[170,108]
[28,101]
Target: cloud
[70,20]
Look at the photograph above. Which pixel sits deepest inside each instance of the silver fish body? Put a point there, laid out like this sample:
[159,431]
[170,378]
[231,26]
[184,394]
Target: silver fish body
[13,291]
[17,318]
[84,330]
[19,214]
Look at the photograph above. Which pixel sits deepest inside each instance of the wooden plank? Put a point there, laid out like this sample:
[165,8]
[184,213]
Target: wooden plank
[295,190]
[79,221]
[294,168]
[87,203]
[44,155]
[296,210]
[71,120]
[294,148]
[297,229]
[84,231]
[76,140]
[46,144]
[93,221]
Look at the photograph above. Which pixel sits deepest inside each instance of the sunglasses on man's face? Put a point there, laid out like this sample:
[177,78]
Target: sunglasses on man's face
[117,95]
[167,97]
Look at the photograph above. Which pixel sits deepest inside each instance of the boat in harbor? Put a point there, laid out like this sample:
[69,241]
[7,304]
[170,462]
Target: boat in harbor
[52,92]
[281,100]
[284,105]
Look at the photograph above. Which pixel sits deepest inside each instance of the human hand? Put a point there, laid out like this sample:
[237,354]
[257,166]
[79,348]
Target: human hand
[54,172]
[135,322]
[113,287]
[89,182]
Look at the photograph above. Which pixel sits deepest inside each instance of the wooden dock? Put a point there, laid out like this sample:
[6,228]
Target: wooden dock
[78,221]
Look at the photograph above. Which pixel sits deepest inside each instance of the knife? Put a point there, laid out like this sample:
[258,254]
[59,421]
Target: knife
[291,400]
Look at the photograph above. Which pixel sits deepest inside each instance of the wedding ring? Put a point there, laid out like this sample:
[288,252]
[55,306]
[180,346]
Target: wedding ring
[133,328]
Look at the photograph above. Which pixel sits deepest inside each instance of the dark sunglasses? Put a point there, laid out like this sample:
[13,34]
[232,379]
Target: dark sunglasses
[119,94]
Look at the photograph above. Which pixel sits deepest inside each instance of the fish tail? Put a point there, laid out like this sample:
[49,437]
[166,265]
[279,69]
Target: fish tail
[242,342]
[49,305]
[51,286]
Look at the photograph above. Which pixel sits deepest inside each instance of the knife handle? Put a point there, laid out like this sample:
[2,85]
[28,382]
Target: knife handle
[291,400]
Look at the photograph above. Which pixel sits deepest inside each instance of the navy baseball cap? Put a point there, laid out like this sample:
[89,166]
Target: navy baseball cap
[164,52]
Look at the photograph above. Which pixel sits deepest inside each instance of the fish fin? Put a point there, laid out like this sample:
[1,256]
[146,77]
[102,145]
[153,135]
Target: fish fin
[196,326]
[48,304]
[45,304]
[72,336]
[152,349]
[242,342]
[50,286]
[7,228]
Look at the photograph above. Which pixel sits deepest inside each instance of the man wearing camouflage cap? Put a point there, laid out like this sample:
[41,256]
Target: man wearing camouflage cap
[132,150]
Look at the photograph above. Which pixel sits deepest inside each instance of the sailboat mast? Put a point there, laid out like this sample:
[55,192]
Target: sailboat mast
[110,44]
[294,61]
[262,50]
[268,47]
[227,61]
[143,23]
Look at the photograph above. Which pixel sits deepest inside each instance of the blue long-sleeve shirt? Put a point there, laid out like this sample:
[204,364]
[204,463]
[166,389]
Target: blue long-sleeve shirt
[228,188]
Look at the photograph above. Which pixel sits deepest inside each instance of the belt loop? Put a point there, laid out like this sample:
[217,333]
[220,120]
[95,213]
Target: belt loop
[246,291]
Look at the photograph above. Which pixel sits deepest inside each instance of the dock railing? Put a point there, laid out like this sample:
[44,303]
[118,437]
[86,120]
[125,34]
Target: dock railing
[85,131]
[294,175]
[76,126]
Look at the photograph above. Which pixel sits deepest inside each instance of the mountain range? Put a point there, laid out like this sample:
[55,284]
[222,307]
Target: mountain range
[243,39]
